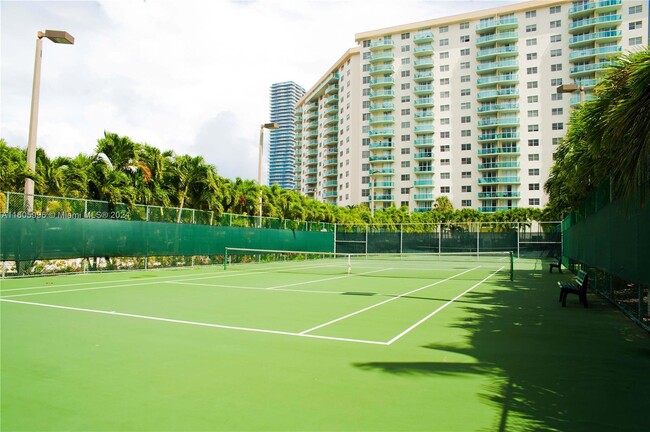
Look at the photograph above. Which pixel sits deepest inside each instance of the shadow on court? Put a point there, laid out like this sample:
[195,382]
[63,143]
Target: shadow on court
[551,368]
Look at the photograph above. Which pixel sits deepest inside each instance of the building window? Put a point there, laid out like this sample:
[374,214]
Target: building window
[465,203]
[533,186]
[533,172]
[531,42]
[556,82]
[556,24]
[406,164]
[464,25]
[466,188]
[365,192]
[445,121]
[444,68]
[464,51]
[533,99]
[464,38]
[464,65]
[405,177]
[405,191]
[406,99]
[406,151]
[635,9]
[531,56]
[533,113]
[444,42]
[557,111]
[531,70]
[465,92]
[556,9]
[466,161]
[444,81]
[466,147]
[444,161]
[556,52]
[444,189]
[531,14]
[444,148]
[465,105]
[635,25]
[466,174]
[444,107]
[406,73]
[405,138]
[533,128]
[406,36]
[444,134]
[406,60]
[406,48]
[556,38]
[444,55]
[465,78]
[532,84]
[406,125]
[533,157]
[466,133]
[533,201]
[406,86]
[557,140]
[558,126]
[556,67]
[406,111]
[636,40]
[444,94]
[531,28]
[443,29]
[533,142]
[445,176]
[466,119]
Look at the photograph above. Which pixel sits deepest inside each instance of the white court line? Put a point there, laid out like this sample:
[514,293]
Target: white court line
[440,308]
[219,274]
[195,323]
[138,283]
[251,288]
[385,301]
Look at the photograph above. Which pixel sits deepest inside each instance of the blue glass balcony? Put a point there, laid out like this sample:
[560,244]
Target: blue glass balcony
[500,24]
[423,37]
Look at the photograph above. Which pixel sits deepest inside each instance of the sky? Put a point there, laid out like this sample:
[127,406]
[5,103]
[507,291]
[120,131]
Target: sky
[192,76]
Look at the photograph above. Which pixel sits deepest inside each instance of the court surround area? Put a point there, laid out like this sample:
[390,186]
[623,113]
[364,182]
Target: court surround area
[318,344]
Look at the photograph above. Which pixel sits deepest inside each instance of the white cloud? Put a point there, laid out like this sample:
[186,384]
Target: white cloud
[192,76]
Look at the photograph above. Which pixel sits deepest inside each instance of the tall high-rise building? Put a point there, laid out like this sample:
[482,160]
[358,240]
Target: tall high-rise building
[284,97]
[465,107]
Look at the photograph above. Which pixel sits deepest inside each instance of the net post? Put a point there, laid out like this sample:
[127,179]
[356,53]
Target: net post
[225,257]
[512,266]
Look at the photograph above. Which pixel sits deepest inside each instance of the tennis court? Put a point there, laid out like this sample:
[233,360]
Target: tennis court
[274,342]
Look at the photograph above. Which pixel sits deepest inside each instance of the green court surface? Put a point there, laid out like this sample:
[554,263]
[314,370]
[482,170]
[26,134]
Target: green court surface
[300,346]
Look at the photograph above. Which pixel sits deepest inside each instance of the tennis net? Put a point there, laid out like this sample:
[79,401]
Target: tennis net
[404,265]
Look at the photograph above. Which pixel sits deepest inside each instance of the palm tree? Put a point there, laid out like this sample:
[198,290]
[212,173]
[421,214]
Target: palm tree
[192,178]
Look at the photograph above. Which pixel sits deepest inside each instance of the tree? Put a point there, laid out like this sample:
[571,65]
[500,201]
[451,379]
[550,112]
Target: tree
[191,176]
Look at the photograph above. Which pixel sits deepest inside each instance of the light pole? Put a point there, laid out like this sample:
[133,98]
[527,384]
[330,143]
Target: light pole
[269,126]
[55,36]
[572,88]
[372,192]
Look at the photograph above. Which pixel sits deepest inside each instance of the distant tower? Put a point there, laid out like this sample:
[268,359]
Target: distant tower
[284,97]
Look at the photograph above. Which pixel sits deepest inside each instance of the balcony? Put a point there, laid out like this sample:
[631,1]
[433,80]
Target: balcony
[508,136]
[383,82]
[311,133]
[424,129]
[381,145]
[490,53]
[382,158]
[504,121]
[331,131]
[383,198]
[384,184]
[425,63]
[312,125]
[423,37]
[494,209]
[311,171]
[381,45]
[488,195]
[382,94]
[499,180]
[330,162]
[330,194]
[588,23]
[505,107]
[423,77]
[423,116]
[329,141]
[330,183]
[601,6]
[310,181]
[590,68]
[493,25]
[498,150]
[423,169]
[600,37]
[422,209]
[384,171]
[381,120]
[311,162]
[331,151]
[423,103]
[331,173]
[494,94]
[497,165]
[382,133]
[423,197]
[381,70]
[423,142]
[497,37]
[330,120]
[381,57]
[497,79]
[382,107]
[608,51]
[423,183]
[334,88]
[423,50]
[421,90]
[503,66]
[312,143]
[423,156]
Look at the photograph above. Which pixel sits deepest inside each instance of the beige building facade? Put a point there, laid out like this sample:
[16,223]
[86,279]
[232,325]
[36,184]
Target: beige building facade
[465,107]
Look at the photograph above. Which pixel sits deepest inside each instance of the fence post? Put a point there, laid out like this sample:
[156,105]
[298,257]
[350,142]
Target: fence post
[478,238]
[8,199]
[401,237]
[335,229]
[366,239]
